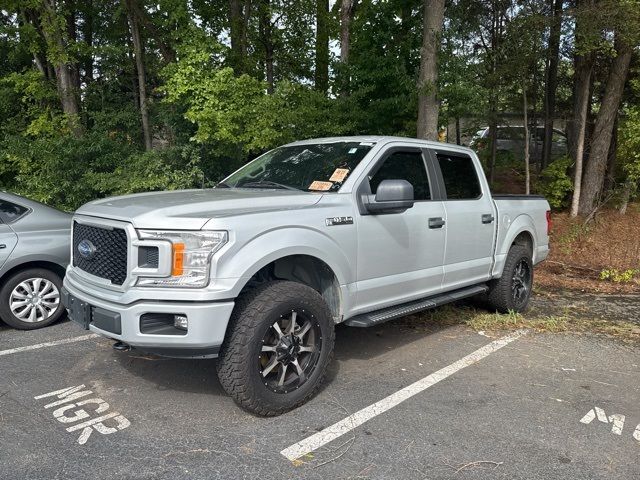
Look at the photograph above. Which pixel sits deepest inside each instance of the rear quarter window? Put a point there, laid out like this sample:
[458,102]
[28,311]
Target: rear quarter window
[460,177]
[10,212]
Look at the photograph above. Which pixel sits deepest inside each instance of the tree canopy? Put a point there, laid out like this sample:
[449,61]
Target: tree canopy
[103,97]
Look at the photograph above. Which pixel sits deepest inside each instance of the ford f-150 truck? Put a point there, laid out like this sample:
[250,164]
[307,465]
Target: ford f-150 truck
[258,270]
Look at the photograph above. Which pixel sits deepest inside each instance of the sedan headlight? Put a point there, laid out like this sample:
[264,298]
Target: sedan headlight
[190,257]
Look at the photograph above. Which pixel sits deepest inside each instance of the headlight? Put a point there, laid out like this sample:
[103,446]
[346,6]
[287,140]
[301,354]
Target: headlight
[190,257]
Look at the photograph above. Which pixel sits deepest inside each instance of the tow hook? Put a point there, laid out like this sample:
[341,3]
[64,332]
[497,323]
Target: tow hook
[121,346]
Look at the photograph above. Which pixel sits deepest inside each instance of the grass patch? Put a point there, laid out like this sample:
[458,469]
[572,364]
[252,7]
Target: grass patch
[567,322]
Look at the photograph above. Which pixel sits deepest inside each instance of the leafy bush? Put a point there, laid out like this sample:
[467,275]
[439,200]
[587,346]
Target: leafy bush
[555,183]
[66,172]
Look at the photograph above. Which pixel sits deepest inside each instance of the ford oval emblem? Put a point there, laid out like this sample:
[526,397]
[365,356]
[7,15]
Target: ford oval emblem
[86,249]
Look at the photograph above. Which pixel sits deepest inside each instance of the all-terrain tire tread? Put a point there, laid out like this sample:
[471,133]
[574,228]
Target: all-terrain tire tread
[499,295]
[233,366]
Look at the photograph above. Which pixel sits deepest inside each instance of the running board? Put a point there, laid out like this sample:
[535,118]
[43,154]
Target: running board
[380,316]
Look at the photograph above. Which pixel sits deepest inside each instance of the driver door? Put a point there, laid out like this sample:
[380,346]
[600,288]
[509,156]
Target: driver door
[400,257]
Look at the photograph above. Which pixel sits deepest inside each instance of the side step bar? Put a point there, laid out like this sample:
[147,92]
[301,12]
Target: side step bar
[380,316]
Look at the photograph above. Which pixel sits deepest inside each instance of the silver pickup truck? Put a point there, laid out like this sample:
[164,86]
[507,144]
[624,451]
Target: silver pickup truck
[258,270]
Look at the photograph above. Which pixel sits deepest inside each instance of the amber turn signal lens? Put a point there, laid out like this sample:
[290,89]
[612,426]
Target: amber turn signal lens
[178,259]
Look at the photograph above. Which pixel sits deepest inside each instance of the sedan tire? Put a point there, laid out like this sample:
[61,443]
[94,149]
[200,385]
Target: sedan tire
[30,299]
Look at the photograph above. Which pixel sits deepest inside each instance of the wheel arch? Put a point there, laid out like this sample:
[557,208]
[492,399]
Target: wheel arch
[306,269]
[521,231]
[45,264]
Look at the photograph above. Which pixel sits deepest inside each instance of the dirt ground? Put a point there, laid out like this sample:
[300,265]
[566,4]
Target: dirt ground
[581,252]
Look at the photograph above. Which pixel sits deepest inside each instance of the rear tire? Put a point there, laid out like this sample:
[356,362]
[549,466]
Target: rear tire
[30,299]
[278,345]
[512,291]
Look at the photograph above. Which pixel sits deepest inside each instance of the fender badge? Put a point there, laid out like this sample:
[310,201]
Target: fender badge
[339,221]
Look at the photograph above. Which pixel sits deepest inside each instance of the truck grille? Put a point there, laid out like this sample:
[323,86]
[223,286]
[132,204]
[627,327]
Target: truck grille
[103,252]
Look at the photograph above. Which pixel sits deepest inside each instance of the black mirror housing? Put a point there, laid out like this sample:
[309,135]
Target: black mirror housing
[392,196]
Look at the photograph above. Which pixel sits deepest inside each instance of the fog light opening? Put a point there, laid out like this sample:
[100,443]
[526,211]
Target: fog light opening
[181,322]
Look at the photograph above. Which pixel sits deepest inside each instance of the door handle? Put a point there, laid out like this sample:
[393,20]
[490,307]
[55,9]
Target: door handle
[436,222]
[487,218]
[2,245]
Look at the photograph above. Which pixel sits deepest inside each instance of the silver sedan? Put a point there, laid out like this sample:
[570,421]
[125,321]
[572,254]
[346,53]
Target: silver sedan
[34,253]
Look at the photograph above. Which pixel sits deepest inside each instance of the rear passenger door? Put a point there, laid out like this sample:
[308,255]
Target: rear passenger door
[8,239]
[470,220]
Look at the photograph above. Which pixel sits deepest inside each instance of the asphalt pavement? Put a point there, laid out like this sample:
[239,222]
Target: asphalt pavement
[533,406]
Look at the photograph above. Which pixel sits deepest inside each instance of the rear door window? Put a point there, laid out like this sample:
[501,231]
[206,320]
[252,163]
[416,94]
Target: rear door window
[460,177]
[10,212]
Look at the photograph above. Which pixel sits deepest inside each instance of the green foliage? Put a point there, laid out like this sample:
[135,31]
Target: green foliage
[556,184]
[237,116]
[619,276]
[629,144]
[207,120]
[66,171]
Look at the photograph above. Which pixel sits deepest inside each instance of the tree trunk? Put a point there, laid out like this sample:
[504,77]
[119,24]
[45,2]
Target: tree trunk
[138,50]
[493,136]
[527,178]
[63,67]
[580,125]
[551,86]
[238,36]
[496,28]
[583,67]
[428,105]
[577,129]
[265,27]
[87,36]
[347,11]
[626,196]
[610,175]
[322,46]
[167,51]
[601,140]
[70,18]
[458,131]
[403,37]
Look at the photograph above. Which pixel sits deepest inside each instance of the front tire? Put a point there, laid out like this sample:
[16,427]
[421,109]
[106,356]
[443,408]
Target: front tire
[279,343]
[512,291]
[30,299]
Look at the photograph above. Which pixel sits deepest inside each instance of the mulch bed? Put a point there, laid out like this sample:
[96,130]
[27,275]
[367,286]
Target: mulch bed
[579,252]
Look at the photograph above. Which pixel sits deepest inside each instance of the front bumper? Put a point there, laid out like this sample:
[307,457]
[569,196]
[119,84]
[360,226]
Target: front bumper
[205,334]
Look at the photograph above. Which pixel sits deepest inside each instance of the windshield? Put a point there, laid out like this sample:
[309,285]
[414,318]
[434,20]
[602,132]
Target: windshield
[321,167]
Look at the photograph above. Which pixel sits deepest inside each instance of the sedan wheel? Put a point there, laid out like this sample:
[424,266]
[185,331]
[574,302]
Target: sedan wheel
[34,300]
[30,299]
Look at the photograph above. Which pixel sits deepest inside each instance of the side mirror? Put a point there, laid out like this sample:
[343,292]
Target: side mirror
[392,196]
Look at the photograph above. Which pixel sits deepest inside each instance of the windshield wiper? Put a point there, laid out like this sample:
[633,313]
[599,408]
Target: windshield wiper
[267,184]
[222,185]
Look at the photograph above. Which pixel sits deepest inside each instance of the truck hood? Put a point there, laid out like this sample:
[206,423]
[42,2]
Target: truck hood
[191,209]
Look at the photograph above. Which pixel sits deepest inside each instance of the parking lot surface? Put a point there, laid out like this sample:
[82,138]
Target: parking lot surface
[539,406]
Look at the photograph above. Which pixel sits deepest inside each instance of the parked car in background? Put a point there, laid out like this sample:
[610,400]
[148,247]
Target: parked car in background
[511,141]
[34,253]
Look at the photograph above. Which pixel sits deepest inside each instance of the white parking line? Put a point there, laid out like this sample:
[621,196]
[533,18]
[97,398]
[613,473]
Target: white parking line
[354,420]
[48,344]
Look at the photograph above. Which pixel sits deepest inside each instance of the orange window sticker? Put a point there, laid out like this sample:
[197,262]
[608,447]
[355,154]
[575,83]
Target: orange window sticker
[320,186]
[339,175]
